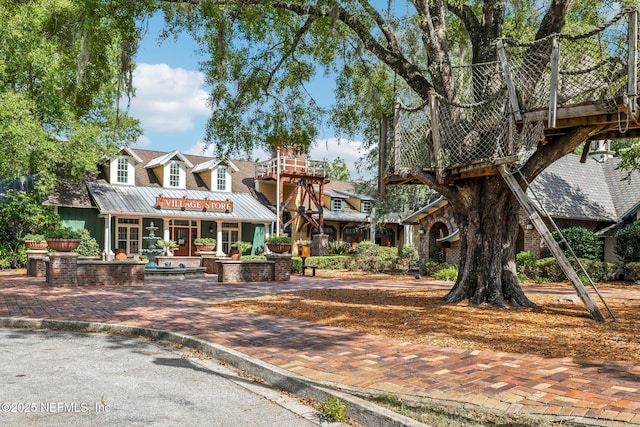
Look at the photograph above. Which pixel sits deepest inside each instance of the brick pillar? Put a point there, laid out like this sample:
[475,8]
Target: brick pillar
[62,269]
[282,266]
[35,263]
[320,245]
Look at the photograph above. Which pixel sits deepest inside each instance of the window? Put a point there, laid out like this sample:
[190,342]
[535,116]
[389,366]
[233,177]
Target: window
[337,205]
[365,206]
[230,235]
[128,235]
[174,175]
[222,178]
[122,171]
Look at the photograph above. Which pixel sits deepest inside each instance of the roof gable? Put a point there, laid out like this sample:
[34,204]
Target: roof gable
[166,158]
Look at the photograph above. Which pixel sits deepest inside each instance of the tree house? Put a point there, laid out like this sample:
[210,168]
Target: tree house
[302,204]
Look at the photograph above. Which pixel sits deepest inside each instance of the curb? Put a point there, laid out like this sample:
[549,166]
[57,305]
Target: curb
[359,410]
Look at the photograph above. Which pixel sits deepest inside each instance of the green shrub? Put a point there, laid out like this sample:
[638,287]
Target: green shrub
[627,245]
[585,244]
[525,263]
[88,245]
[205,241]
[296,264]
[279,239]
[450,274]
[374,258]
[430,267]
[62,233]
[407,258]
[329,262]
[634,270]
[333,409]
[548,268]
[12,255]
[34,237]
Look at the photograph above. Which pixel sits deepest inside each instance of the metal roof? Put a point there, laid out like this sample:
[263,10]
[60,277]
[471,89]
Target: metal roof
[125,199]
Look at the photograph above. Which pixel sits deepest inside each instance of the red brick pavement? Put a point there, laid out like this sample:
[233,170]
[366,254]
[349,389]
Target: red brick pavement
[516,383]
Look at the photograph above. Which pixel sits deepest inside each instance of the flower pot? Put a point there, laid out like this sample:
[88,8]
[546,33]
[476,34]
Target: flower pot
[205,247]
[279,248]
[35,245]
[63,245]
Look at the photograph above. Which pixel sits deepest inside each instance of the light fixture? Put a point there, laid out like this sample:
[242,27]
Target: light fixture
[210,229]
[422,230]
[529,225]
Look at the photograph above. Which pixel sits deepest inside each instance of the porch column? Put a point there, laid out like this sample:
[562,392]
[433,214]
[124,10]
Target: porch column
[219,239]
[107,238]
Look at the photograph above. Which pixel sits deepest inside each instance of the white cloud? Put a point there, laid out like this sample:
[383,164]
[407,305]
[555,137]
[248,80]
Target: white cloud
[167,99]
[332,148]
[142,142]
[329,149]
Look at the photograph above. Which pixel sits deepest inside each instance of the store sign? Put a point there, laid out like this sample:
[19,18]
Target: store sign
[184,203]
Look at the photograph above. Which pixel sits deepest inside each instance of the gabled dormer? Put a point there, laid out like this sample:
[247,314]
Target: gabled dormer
[216,174]
[121,168]
[171,169]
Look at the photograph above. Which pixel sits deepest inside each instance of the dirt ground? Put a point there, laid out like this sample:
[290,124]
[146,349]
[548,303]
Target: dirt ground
[560,329]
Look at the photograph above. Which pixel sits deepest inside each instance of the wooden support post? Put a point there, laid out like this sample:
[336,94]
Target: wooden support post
[396,136]
[383,161]
[508,78]
[632,63]
[553,246]
[435,137]
[553,90]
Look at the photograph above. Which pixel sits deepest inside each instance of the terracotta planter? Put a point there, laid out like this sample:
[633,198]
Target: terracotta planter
[208,247]
[63,245]
[279,248]
[35,244]
[234,254]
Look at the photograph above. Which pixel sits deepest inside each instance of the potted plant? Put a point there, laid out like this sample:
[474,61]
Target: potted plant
[35,242]
[279,244]
[205,244]
[167,246]
[63,239]
[240,248]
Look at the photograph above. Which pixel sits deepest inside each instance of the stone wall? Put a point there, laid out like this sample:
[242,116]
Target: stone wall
[277,267]
[187,261]
[122,273]
[67,269]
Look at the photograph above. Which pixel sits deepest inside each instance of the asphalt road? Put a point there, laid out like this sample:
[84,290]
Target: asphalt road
[62,378]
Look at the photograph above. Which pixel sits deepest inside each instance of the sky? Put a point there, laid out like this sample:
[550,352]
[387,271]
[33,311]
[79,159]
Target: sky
[171,102]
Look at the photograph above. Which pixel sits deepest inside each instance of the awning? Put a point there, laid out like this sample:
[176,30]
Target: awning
[142,201]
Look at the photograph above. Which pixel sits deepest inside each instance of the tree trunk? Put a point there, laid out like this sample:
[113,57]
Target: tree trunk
[487,216]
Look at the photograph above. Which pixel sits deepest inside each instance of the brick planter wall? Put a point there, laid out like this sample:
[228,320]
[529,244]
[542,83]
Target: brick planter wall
[68,269]
[62,269]
[282,269]
[121,273]
[210,263]
[36,266]
[253,270]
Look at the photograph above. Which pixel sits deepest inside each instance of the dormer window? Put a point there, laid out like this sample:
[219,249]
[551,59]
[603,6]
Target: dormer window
[122,172]
[174,175]
[365,206]
[337,205]
[221,184]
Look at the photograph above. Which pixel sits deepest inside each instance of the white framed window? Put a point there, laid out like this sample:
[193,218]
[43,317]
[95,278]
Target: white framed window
[230,235]
[365,206]
[122,172]
[174,175]
[221,184]
[128,235]
[337,205]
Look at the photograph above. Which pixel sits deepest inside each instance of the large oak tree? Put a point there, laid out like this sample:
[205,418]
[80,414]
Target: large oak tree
[263,54]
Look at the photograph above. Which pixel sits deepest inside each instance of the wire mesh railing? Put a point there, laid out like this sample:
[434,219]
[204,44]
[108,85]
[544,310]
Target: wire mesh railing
[484,121]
